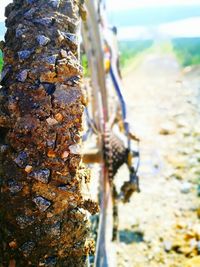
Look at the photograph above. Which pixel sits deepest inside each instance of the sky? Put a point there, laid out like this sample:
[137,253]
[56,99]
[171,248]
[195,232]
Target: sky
[3,4]
[185,27]
[116,5]
[182,28]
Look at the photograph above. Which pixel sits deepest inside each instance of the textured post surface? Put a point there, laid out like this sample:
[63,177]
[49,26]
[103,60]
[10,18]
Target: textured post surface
[42,212]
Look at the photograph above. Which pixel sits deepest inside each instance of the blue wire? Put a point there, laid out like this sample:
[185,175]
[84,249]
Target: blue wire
[118,90]
[122,103]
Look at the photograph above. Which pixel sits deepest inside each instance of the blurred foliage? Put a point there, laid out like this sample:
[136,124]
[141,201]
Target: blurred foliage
[187,50]
[84,63]
[131,49]
[1,60]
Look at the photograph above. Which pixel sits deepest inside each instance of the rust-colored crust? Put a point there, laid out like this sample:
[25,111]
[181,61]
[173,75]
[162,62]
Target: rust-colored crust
[43,218]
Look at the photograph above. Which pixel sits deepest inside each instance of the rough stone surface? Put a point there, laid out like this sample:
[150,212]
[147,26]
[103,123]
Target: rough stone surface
[21,159]
[21,77]
[14,187]
[24,54]
[43,40]
[42,203]
[44,115]
[42,175]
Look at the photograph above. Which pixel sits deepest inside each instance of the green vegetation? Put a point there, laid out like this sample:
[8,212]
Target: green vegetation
[84,63]
[1,61]
[129,50]
[187,50]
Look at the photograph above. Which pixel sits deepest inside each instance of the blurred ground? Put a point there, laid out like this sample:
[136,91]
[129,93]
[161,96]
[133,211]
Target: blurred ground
[160,226]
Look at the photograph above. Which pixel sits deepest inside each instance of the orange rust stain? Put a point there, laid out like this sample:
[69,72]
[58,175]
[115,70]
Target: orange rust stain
[28,168]
[51,154]
[13,244]
[59,117]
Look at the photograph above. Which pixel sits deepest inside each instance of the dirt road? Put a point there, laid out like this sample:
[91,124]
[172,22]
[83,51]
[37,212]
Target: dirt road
[160,226]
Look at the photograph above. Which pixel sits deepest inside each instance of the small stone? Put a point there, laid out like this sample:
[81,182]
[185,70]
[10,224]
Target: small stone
[69,82]
[48,76]
[59,117]
[43,40]
[24,221]
[30,1]
[51,154]
[42,203]
[54,3]
[29,13]
[49,262]
[73,80]
[181,225]
[75,149]
[27,248]
[167,128]
[3,148]
[60,38]
[13,244]
[14,187]
[49,215]
[63,53]
[24,54]
[185,188]
[19,32]
[70,37]
[43,21]
[28,168]
[49,88]
[51,143]
[167,246]
[42,175]
[22,76]
[65,155]
[55,229]
[64,96]
[51,59]
[62,187]
[51,121]
[21,159]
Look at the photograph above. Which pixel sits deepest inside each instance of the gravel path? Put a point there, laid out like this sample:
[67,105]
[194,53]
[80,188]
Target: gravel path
[160,226]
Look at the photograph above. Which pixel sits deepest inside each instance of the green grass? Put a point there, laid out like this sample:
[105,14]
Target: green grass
[129,50]
[1,61]
[187,51]
[84,63]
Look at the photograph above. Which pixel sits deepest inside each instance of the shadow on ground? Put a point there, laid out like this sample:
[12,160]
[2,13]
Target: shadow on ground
[128,237]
